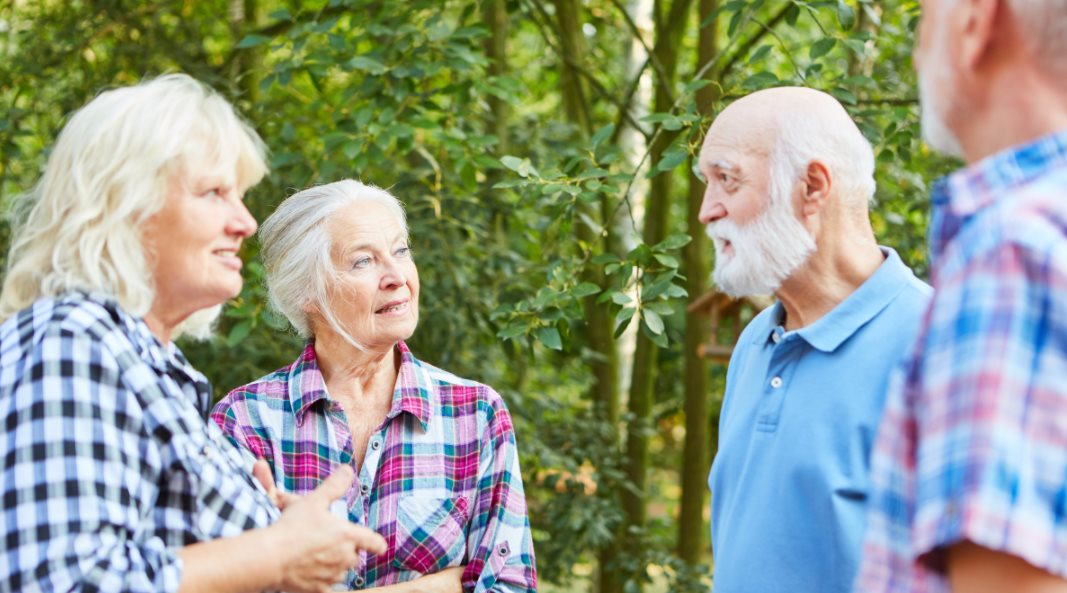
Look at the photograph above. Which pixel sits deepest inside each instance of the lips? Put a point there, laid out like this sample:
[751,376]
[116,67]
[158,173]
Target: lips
[392,307]
[228,257]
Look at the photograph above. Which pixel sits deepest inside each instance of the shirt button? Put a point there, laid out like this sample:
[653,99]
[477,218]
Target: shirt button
[364,489]
[502,549]
[775,337]
[375,444]
[358,581]
[776,382]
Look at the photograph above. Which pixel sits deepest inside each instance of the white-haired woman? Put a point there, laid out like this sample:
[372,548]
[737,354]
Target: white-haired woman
[112,479]
[435,458]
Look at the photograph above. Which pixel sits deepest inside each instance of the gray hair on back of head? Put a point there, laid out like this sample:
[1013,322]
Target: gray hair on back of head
[804,137]
[297,248]
[1044,26]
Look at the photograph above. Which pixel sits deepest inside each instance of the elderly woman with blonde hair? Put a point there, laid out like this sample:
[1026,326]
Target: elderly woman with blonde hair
[437,472]
[112,479]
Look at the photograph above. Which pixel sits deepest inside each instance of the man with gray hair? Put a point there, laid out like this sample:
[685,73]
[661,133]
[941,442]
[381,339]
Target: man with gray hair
[789,179]
[969,472]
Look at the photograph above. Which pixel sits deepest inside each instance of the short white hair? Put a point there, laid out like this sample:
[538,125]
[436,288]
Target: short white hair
[1044,26]
[803,138]
[81,227]
[296,249]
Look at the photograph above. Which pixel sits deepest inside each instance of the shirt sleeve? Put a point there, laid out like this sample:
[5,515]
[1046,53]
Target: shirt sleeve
[991,408]
[499,545]
[77,477]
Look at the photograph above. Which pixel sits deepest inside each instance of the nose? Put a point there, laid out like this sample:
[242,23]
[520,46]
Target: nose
[241,222]
[392,276]
[711,209]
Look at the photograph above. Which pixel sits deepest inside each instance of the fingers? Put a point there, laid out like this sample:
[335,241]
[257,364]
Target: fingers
[333,487]
[365,539]
[261,472]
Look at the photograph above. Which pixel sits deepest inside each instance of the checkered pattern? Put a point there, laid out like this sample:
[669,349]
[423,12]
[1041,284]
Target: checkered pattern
[440,480]
[974,442]
[107,465]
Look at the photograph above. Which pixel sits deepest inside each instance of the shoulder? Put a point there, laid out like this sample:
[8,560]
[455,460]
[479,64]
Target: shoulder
[270,390]
[62,327]
[465,396]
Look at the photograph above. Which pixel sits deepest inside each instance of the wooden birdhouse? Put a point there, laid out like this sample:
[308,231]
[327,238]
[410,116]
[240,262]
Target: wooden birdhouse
[728,316]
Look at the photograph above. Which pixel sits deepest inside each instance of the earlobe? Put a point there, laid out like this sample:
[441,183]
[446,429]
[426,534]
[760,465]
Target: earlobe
[817,184]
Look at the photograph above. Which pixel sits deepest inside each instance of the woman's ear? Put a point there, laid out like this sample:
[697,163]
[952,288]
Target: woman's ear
[817,185]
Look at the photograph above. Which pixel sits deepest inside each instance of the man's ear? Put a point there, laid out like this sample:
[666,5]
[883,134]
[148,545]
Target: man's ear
[816,188]
[976,23]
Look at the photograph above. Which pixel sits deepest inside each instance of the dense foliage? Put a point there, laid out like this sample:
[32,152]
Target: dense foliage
[543,151]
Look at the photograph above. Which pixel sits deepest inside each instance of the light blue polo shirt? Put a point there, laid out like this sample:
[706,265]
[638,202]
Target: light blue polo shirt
[789,484]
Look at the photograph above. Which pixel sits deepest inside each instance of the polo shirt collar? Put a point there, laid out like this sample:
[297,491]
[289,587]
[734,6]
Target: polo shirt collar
[412,394]
[832,329]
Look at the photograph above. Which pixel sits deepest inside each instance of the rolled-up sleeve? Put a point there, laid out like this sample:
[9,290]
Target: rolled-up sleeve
[78,475]
[500,548]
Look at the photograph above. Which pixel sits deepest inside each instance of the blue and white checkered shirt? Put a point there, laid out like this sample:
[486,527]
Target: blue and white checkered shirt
[973,444]
[107,465]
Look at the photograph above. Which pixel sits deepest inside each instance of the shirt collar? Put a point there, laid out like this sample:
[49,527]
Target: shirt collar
[162,358]
[958,196]
[832,329]
[412,393]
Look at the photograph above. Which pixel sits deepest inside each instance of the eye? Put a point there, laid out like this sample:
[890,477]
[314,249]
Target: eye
[403,252]
[361,262]
[213,192]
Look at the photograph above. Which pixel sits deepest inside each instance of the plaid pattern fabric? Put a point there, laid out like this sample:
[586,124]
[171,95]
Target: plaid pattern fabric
[107,464]
[974,442]
[440,480]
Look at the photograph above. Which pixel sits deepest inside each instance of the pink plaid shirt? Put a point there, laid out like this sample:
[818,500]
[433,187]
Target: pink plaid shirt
[440,479]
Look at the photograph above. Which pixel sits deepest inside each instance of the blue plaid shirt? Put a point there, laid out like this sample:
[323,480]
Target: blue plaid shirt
[107,465]
[973,445]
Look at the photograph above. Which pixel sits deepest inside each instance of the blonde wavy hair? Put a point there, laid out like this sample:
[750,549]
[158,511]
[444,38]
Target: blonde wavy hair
[80,227]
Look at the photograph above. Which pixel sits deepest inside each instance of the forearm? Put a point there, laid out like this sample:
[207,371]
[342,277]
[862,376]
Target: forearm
[446,581]
[974,569]
[247,563]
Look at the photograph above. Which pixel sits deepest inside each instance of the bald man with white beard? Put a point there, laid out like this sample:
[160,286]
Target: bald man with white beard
[789,180]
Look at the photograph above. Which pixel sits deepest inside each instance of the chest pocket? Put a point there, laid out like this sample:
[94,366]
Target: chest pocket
[431,533]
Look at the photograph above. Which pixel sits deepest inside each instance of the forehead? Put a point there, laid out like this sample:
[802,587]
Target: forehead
[364,222]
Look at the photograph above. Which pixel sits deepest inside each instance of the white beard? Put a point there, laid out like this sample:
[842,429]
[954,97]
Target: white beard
[766,251]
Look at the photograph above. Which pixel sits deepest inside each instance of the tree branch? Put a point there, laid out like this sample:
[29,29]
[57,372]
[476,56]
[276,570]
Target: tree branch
[756,37]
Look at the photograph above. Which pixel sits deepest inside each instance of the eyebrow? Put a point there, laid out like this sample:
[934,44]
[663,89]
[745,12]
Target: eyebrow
[723,165]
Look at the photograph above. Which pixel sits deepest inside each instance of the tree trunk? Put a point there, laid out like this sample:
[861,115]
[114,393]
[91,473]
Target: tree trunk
[670,29]
[604,391]
[695,456]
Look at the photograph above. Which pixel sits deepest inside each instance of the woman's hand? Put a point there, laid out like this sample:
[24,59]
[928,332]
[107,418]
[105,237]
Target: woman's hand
[316,548]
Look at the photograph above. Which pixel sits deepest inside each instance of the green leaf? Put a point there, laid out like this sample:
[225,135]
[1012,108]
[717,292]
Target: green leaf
[845,15]
[252,41]
[549,336]
[759,54]
[239,332]
[366,64]
[652,320]
[622,319]
[821,47]
[513,330]
[673,241]
[621,298]
[759,81]
[604,258]
[585,289]
[602,134]
[667,260]
[672,160]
